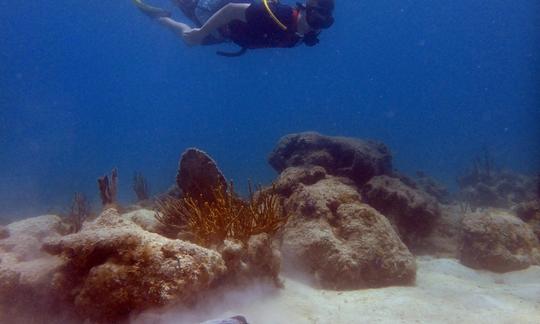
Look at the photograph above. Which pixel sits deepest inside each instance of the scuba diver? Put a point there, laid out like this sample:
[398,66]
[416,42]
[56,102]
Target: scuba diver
[250,24]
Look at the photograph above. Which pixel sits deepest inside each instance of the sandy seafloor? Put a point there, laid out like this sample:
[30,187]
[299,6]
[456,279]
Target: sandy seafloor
[445,292]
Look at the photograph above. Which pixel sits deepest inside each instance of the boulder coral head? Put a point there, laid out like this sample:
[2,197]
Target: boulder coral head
[412,211]
[355,159]
[341,242]
[498,241]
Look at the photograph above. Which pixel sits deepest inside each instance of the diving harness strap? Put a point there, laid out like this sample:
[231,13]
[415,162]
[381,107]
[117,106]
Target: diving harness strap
[274,18]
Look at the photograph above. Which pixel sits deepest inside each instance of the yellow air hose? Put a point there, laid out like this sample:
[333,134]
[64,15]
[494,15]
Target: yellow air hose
[279,23]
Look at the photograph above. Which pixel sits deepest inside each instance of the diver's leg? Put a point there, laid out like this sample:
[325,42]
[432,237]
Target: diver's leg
[180,28]
[150,11]
[175,26]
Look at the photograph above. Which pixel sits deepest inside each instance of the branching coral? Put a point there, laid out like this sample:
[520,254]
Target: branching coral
[140,186]
[222,216]
[108,188]
[78,213]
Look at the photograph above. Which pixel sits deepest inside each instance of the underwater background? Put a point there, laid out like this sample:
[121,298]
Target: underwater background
[86,86]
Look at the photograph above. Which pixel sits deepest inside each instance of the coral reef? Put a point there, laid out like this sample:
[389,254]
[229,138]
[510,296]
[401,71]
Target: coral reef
[484,186]
[337,212]
[140,187]
[114,267]
[341,156]
[108,188]
[341,242]
[412,211]
[498,241]
[223,216]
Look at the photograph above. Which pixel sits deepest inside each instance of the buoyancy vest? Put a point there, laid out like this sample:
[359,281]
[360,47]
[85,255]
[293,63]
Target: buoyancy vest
[261,30]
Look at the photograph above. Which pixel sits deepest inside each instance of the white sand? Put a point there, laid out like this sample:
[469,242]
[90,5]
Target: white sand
[445,292]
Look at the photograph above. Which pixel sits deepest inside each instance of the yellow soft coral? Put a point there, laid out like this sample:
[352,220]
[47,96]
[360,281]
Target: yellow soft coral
[223,216]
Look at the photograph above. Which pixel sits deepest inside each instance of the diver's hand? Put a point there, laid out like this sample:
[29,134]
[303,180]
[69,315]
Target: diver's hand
[193,36]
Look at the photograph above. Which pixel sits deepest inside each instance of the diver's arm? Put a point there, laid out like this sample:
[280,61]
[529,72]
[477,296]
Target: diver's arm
[230,12]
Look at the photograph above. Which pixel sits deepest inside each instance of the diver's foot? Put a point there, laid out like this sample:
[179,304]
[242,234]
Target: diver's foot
[152,12]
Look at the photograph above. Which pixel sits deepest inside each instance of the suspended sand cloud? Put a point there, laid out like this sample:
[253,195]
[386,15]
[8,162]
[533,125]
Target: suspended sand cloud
[445,292]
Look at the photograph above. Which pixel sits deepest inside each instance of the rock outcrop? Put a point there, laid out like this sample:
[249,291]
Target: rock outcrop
[411,211]
[292,177]
[445,237]
[27,235]
[114,267]
[529,212]
[355,159]
[498,241]
[25,270]
[432,187]
[4,232]
[341,242]
[146,219]
[259,258]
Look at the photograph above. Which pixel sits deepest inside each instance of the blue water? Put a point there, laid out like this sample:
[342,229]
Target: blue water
[86,86]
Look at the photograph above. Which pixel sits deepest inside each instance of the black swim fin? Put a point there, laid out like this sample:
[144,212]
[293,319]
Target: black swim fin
[152,12]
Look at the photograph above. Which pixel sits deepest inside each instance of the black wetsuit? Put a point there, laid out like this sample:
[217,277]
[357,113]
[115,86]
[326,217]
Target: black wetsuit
[260,30]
